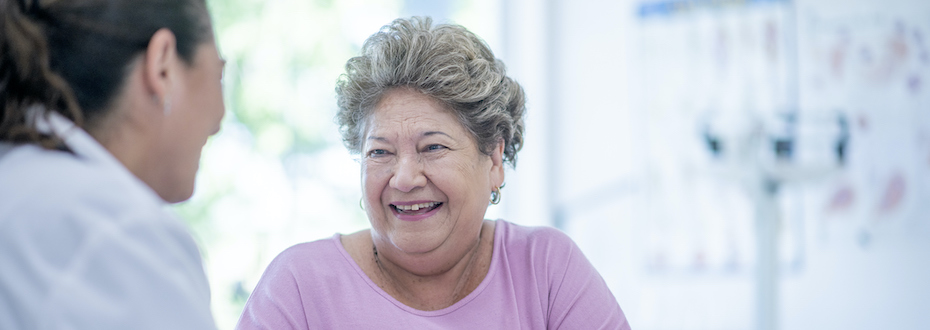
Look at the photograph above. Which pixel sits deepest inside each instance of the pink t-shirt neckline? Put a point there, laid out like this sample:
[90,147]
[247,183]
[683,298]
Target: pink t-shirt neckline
[336,239]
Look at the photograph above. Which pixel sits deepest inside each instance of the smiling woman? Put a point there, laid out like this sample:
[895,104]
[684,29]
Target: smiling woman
[435,118]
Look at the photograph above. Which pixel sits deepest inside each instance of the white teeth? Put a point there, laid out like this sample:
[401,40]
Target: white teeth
[416,207]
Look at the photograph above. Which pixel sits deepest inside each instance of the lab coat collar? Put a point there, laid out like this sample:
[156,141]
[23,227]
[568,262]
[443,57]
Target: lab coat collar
[76,139]
[81,143]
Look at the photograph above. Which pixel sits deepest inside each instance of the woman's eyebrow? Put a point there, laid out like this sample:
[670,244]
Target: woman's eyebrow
[425,134]
[377,138]
[430,133]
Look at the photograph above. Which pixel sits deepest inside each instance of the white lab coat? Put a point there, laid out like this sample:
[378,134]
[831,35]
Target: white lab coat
[84,244]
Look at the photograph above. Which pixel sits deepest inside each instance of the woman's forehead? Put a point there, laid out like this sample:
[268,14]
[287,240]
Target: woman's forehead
[412,124]
[410,110]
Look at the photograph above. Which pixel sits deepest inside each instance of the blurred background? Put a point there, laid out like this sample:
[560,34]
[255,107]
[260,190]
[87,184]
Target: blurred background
[725,164]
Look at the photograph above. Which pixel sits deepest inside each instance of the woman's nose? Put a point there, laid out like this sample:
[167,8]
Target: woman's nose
[408,174]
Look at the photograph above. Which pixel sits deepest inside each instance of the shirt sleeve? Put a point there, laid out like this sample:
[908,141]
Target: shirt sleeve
[579,297]
[275,303]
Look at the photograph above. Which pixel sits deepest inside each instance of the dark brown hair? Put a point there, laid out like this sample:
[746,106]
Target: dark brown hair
[72,56]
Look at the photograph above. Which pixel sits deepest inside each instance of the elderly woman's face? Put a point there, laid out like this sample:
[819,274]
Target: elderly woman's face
[426,184]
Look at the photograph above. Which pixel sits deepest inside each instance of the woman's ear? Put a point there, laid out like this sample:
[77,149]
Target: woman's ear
[497,164]
[159,66]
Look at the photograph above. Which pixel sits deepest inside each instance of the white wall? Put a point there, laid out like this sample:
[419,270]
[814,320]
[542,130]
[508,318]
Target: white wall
[588,160]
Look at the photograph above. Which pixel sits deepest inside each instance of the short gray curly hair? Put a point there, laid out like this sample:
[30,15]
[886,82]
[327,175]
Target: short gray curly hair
[446,62]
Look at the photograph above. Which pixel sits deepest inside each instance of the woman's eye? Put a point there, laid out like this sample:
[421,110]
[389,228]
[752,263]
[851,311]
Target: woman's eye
[434,147]
[377,152]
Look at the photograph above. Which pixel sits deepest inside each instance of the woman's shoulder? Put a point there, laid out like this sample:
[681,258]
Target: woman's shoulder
[313,258]
[321,249]
[306,272]
[532,236]
[89,197]
[536,245]
[29,167]
[32,177]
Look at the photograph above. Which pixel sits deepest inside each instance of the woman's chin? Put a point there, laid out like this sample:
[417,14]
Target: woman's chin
[416,248]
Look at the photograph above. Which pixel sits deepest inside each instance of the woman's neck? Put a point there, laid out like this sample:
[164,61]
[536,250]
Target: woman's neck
[438,288]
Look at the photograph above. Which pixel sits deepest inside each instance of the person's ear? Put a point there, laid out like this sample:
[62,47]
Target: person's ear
[497,164]
[159,64]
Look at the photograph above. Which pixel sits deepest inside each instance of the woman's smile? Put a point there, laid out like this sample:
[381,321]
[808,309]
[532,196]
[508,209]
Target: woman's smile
[415,211]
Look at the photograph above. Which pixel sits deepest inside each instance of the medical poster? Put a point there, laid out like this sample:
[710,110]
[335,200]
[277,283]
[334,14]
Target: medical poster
[708,68]
[721,82]
[872,64]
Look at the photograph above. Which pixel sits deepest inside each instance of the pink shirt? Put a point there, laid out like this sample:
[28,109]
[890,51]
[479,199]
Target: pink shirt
[538,279]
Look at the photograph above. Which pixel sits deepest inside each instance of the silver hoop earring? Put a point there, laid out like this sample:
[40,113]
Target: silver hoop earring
[496,195]
[360,205]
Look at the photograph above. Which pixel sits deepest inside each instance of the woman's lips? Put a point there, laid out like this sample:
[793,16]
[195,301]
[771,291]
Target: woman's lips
[415,211]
